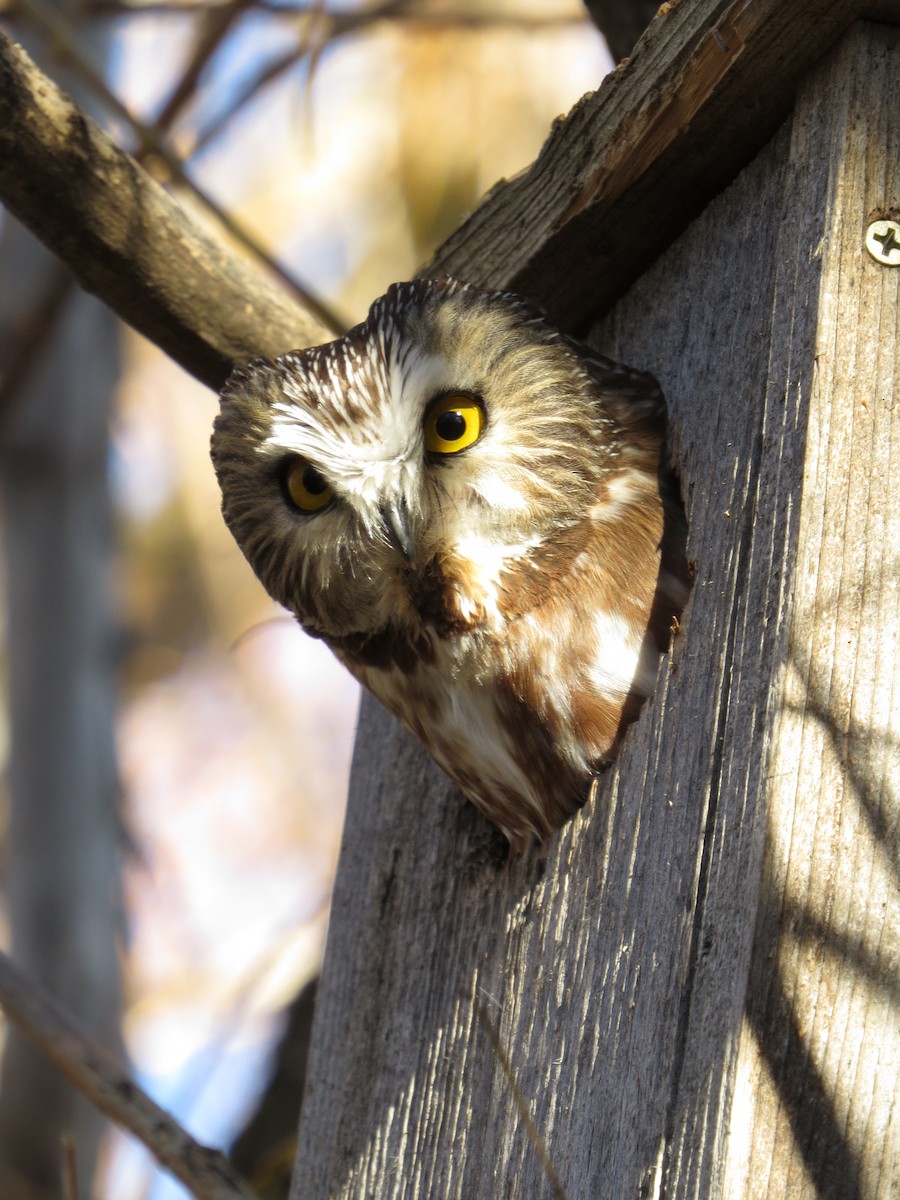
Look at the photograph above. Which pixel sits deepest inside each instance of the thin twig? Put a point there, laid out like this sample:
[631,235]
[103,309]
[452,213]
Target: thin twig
[215,25]
[126,240]
[307,45]
[94,1072]
[323,29]
[69,1168]
[258,627]
[268,74]
[534,1134]
[66,41]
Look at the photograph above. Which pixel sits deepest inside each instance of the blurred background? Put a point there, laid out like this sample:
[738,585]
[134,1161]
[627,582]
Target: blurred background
[175,751]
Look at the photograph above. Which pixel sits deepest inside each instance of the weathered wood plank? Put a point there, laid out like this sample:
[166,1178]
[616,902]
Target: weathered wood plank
[819,1059]
[695,994]
[622,175]
[827,493]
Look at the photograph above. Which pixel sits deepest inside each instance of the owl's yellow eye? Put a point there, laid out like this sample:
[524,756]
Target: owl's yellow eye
[304,487]
[453,423]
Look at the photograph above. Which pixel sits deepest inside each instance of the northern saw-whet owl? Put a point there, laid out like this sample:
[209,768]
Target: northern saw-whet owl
[474,512]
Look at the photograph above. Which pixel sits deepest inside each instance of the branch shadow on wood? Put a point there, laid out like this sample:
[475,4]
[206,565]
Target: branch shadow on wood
[852,747]
[819,957]
[475,932]
[810,1106]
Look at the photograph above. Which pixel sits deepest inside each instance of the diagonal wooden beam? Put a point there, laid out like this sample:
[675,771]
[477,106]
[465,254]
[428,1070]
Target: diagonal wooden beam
[626,171]
[127,241]
[616,182]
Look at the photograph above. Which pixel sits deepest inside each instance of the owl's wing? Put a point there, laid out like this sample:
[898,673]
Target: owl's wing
[633,398]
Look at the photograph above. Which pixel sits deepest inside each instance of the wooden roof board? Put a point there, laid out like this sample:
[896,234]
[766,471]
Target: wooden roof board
[632,164]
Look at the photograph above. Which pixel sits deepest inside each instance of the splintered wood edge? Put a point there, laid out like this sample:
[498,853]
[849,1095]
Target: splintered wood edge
[623,174]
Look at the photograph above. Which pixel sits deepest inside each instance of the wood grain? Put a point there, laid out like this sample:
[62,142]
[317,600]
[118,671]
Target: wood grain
[621,176]
[696,985]
[819,1059]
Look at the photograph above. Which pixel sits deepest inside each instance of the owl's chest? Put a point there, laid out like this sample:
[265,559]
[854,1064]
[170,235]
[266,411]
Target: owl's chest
[508,758]
[484,629]
[444,692]
[518,708]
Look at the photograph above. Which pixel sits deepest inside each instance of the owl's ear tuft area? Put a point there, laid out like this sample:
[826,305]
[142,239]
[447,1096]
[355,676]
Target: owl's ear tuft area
[244,373]
[247,399]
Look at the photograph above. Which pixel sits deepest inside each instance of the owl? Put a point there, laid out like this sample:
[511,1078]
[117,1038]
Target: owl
[474,512]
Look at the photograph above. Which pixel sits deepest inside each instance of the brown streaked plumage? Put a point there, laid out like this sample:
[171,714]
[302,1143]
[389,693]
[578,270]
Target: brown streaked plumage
[473,511]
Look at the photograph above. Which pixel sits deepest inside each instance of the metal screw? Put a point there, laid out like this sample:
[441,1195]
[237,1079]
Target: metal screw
[883,242]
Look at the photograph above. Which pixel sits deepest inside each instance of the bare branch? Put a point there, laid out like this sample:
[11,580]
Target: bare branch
[344,21]
[215,25]
[69,1169]
[126,240]
[153,141]
[205,1172]
[324,28]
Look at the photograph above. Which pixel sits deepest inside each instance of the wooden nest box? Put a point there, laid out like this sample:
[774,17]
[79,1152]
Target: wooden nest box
[695,992]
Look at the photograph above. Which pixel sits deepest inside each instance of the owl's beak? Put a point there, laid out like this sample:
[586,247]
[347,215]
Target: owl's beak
[395,518]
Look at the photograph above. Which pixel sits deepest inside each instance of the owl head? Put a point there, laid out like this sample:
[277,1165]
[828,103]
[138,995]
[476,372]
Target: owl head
[389,476]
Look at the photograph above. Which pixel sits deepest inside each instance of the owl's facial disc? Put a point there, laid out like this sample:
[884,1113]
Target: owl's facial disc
[433,444]
[386,485]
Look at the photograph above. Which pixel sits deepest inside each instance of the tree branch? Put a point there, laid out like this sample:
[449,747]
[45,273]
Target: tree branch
[64,36]
[205,1172]
[126,240]
[214,27]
